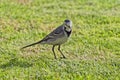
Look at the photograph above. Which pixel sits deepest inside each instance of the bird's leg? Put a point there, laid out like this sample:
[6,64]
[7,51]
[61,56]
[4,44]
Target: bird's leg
[54,51]
[61,51]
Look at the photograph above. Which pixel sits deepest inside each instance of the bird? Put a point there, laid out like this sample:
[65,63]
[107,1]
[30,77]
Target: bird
[57,37]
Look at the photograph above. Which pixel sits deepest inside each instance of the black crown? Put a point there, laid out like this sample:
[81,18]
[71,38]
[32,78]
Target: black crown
[67,20]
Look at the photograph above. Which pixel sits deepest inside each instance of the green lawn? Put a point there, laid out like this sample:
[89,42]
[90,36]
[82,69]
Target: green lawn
[92,51]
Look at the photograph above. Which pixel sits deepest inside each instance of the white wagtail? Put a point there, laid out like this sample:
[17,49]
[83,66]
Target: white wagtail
[57,37]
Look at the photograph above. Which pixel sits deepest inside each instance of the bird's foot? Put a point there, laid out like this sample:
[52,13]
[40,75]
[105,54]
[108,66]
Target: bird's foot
[63,57]
[55,57]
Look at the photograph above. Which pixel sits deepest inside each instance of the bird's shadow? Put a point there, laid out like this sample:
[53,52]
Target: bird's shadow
[14,62]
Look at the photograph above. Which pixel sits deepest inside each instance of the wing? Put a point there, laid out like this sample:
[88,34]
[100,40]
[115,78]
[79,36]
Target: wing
[55,34]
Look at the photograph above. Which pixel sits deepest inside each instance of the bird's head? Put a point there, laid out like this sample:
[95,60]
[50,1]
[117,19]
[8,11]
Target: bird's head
[68,24]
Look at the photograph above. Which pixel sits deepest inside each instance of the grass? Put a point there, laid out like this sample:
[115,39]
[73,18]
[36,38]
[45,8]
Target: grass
[93,50]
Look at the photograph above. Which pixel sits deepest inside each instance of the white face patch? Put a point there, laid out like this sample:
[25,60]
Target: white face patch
[68,26]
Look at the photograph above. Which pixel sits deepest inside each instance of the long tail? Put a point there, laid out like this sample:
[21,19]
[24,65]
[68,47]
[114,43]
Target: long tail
[31,45]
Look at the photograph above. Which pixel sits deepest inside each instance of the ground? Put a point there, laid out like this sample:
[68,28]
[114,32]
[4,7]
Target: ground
[92,51]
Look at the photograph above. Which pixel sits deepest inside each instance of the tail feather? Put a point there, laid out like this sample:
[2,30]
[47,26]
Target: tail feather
[30,45]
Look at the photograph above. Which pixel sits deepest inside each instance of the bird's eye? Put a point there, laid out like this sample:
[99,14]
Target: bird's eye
[69,26]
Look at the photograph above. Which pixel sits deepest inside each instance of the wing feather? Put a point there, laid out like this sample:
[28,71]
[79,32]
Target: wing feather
[57,33]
